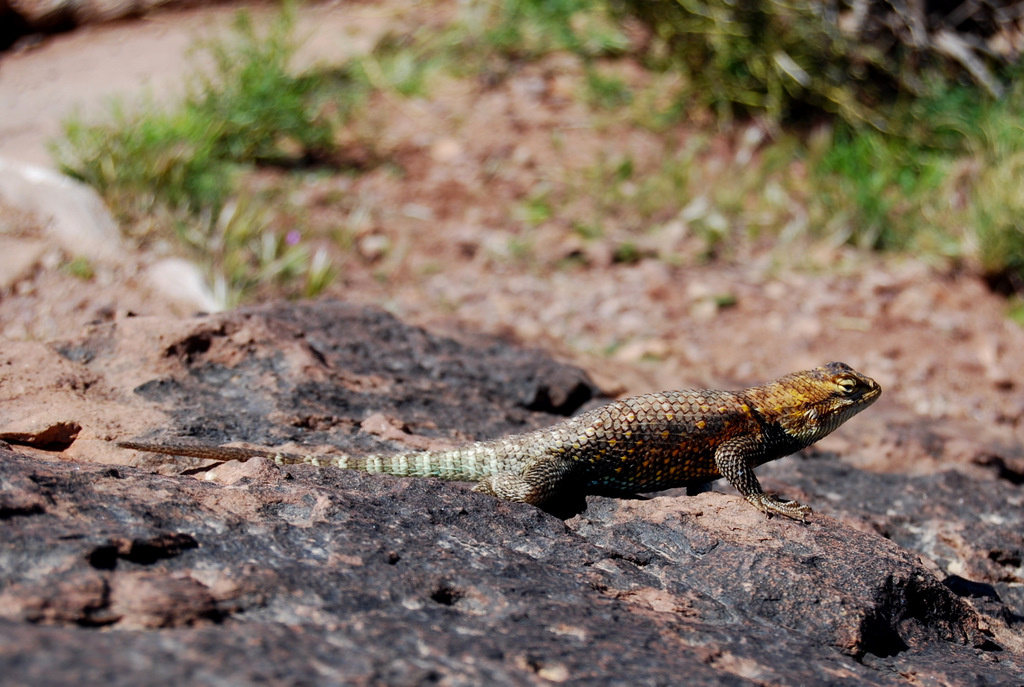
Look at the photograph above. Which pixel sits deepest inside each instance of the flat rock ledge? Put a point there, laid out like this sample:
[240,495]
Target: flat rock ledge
[125,570]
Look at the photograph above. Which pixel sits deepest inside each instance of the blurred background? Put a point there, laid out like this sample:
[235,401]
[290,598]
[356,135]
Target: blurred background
[669,193]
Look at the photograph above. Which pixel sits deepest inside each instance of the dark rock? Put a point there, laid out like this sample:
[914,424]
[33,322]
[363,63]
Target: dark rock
[966,524]
[313,576]
[319,370]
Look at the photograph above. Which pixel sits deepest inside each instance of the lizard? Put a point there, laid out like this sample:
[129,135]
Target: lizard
[644,443]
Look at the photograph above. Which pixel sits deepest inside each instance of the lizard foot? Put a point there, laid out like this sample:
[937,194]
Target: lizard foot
[537,483]
[772,505]
[507,486]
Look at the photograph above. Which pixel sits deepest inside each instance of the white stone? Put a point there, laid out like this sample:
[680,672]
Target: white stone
[180,280]
[71,213]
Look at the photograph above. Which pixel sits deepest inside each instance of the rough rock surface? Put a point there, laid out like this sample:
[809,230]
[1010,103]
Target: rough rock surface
[116,574]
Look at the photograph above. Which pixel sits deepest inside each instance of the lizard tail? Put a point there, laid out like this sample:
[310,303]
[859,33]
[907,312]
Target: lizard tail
[470,464]
[218,453]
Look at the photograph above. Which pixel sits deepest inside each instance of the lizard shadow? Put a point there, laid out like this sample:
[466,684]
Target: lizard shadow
[573,501]
[570,503]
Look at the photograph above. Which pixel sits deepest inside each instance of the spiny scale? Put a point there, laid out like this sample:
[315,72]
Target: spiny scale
[644,443]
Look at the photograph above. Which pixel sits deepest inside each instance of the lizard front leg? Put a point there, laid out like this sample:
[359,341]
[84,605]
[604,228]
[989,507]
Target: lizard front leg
[734,459]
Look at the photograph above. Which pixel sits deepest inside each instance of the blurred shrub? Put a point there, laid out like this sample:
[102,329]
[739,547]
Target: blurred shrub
[785,58]
[993,176]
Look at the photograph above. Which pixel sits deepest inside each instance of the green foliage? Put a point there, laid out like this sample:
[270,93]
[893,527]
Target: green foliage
[139,161]
[607,91]
[255,109]
[1016,310]
[998,219]
[173,173]
[788,59]
[912,160]
[80,268]
[627,252]
[529,28]
[955,193]
[248,109]
[996,189]
[622,198]
[874,189]
[749,56]
[536,209]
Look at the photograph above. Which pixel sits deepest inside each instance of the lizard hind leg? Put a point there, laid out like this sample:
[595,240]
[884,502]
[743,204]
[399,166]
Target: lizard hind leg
[536,484]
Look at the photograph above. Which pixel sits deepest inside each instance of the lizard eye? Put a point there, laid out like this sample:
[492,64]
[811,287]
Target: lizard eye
[847,385]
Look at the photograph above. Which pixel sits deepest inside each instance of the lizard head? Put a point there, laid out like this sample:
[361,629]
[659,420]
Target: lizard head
[812,404]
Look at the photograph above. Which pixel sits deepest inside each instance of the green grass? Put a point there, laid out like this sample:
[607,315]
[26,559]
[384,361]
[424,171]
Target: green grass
[958,197]
[80,268]
[536,208]
[607,91]
[527,29]
[994,190]
[172,174]
[255,109]
[947,187]
[875,189]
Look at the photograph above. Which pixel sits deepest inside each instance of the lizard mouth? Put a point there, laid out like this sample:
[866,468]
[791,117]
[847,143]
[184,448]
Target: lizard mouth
[869,394]
[862,399]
